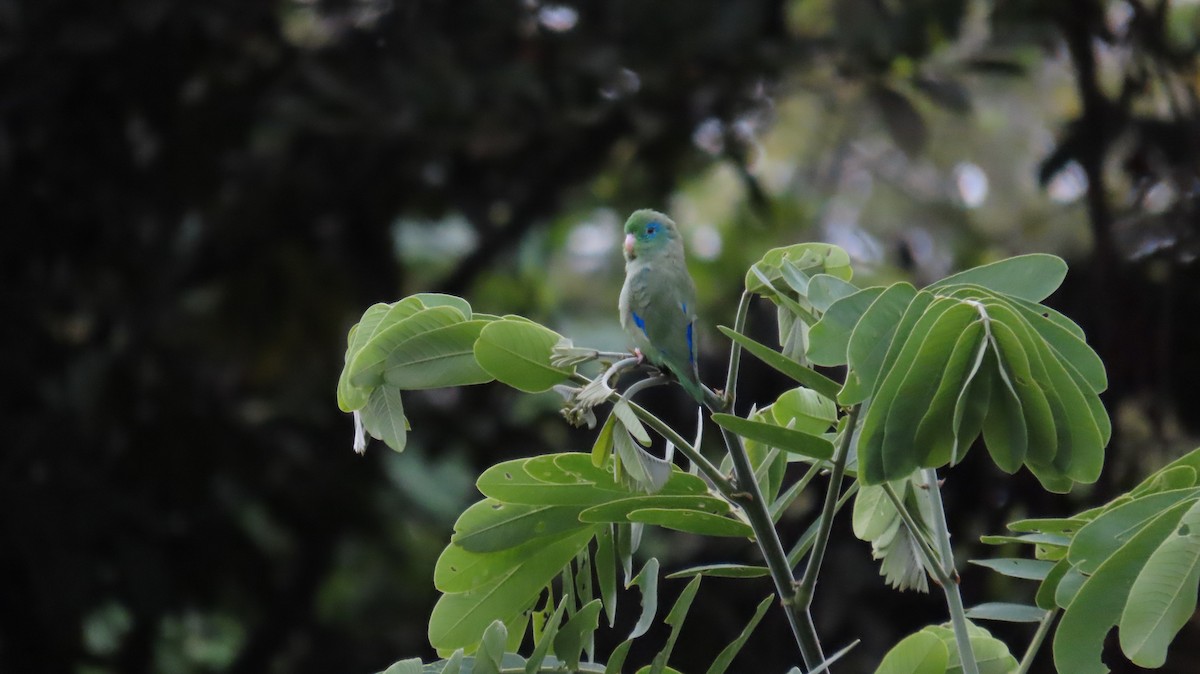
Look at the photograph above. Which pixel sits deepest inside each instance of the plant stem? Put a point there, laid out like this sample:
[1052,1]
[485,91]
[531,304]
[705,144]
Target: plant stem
[750,498]
[941,562]
[805,542]
[735,351]
[808,583]
[941,534]
[1038,637]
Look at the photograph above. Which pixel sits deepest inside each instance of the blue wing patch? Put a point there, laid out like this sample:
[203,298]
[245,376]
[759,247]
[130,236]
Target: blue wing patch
[637,320]
[691,346]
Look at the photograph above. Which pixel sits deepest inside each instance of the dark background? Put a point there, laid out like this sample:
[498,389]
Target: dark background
[199,198]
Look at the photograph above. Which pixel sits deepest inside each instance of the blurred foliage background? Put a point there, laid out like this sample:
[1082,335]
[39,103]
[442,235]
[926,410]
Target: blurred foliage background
[199,198]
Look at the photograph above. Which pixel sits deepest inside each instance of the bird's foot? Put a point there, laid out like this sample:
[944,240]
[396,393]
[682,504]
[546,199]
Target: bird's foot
[641,357]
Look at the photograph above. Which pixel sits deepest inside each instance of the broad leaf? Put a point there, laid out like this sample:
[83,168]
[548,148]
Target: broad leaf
[1032,277]
[492,525]
[459,619]
[920,653]
[1163,597]
[518,353]
[437,358]
[1098,605]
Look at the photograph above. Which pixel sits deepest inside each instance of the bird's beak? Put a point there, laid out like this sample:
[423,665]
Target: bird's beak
[629,247]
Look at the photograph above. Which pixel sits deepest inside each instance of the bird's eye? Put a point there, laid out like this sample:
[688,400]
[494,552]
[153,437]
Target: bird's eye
[652,228]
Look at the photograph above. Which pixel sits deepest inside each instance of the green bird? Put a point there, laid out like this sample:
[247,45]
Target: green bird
[658,299]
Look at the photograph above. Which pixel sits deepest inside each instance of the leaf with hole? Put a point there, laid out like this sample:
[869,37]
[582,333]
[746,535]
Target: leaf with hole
[1098,605]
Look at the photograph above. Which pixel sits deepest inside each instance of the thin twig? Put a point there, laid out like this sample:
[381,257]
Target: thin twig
[1036,644]
[808,583]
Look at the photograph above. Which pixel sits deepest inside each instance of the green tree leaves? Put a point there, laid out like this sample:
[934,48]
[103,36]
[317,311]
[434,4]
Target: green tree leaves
[430,340]
[939,367]
[1133,563]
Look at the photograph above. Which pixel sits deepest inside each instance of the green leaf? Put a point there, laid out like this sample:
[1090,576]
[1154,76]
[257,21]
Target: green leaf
[825,289]
[618,511]
[573,636]
[1189,460]
[806,376]
[542,648]
[723,571]
[811,258]
[1006,612]
[351,397]
[786,439]
[366,368]
[1049,587]
[624,413]
[804,410]
[874,513]
[510,482]
[431,300]
[491,525]
[1163,597]
[647,582]
[886,448]
[490,657]
[936,429]
[437,358]
[1052,540]
[1019,359]
[1068,587]
[675,618]
[606,571]
[1032,277]
[920,653]
[829,338]
[1177,477]
[459,618]
[870,340]
[1050,525]
[568,479]
[1005,432]
[991,655]
[518,353]
[649,473]
[1028,569]
[410,666]
[692,521]
[616,660]
[1101,537]
[384,419]
[727,654]
[1098,605]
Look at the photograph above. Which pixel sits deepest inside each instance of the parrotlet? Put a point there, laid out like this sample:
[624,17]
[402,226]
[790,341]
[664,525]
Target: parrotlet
[659,297]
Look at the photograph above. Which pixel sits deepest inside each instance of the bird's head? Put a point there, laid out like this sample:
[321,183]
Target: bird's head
[648,232]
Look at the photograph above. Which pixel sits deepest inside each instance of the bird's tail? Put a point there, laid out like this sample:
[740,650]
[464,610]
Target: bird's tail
[699,392]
